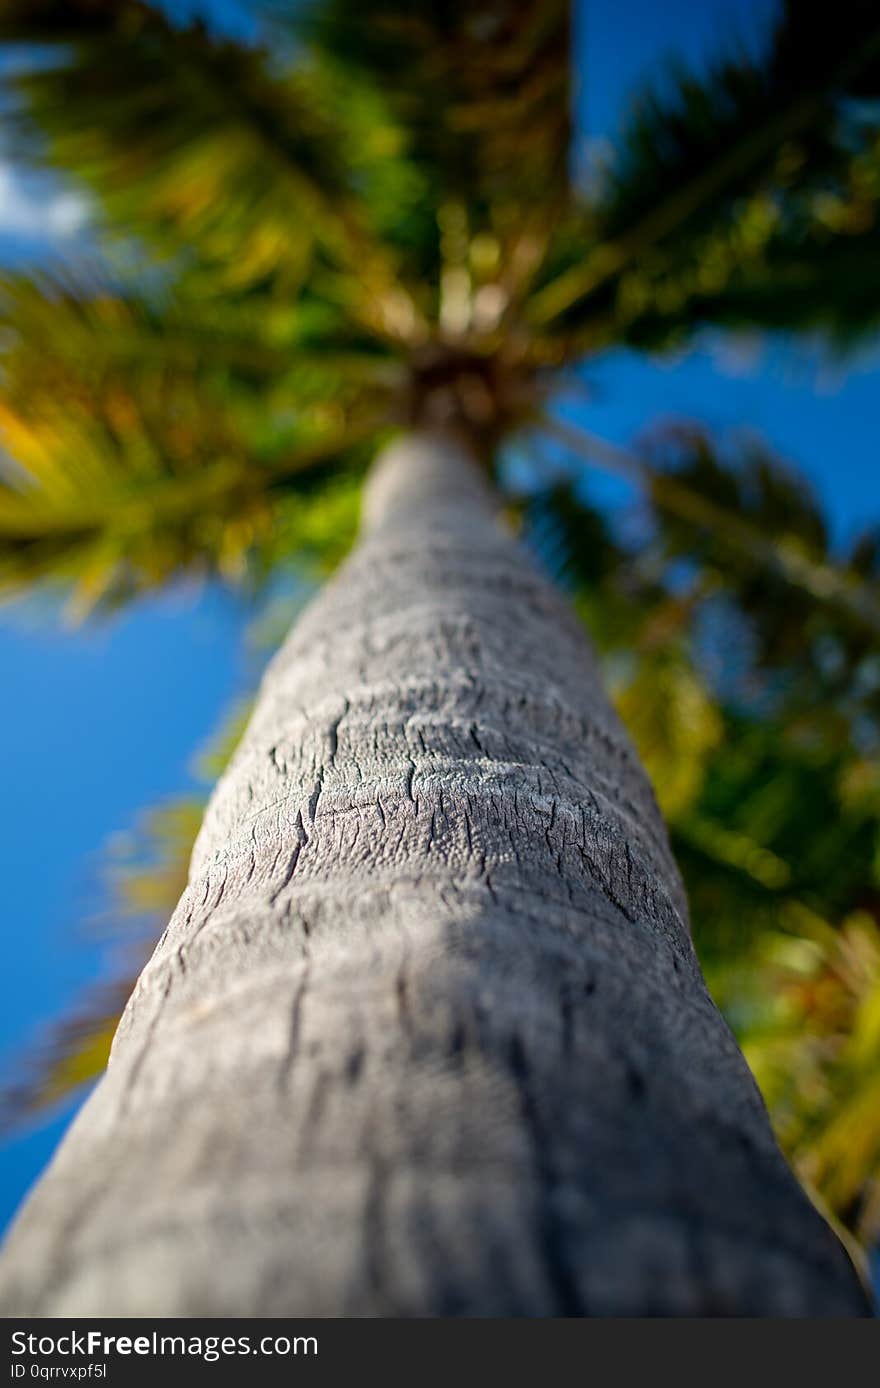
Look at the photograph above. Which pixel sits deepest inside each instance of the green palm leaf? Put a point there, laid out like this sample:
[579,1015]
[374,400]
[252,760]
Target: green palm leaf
[712,168]
[193,141]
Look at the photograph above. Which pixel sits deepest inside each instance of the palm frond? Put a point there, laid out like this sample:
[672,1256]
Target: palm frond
[810,1001]
[801,256]
[751,510]
[482,89]
[482,94]
[752,135]
[141,517]
[192,140]
[146,438]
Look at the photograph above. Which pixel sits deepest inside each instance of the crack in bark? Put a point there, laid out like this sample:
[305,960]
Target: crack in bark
[552,1230]
[294,1032]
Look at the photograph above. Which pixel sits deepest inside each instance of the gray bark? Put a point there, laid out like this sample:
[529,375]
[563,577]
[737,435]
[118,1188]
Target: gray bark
[427,1034]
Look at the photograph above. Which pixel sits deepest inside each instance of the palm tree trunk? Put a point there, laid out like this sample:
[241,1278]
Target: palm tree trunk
[426,1033]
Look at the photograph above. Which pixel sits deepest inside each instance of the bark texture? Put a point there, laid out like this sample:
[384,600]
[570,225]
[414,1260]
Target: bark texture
[427,1034]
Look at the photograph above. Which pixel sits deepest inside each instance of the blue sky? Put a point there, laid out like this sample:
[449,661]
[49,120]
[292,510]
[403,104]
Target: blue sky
[96,724]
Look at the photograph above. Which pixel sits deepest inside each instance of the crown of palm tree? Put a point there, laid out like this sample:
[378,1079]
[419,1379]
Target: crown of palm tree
[373,218]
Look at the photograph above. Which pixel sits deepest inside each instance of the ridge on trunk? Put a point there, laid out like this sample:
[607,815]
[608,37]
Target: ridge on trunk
[426,1034]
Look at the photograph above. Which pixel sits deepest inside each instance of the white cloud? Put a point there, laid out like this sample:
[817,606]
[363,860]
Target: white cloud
[32,205]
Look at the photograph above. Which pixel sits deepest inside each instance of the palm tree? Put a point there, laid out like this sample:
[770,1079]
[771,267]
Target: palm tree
[426,1033]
